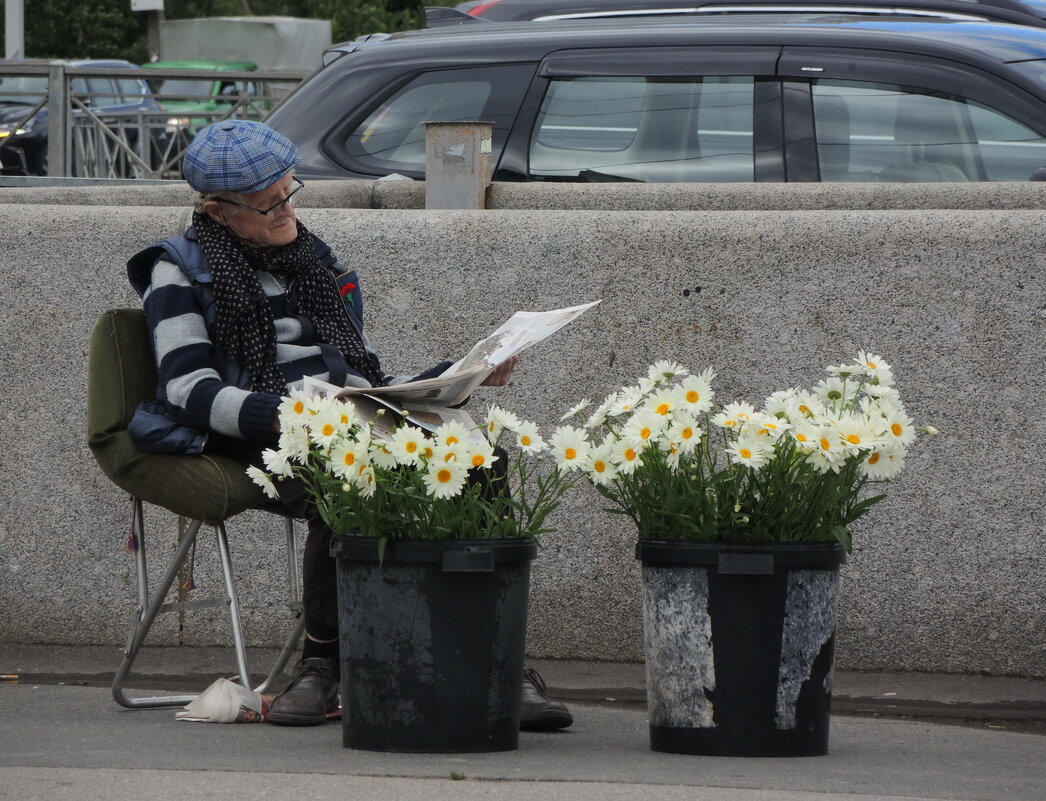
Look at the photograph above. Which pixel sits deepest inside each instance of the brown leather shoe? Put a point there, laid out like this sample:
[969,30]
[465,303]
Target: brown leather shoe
[537,711]
[310,697]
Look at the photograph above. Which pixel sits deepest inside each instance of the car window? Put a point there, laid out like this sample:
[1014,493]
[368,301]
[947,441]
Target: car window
[130,89]
[886,132]
[645,129]
[392,138]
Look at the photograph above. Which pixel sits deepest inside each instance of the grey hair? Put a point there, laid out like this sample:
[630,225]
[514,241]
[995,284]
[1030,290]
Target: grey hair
[203,197]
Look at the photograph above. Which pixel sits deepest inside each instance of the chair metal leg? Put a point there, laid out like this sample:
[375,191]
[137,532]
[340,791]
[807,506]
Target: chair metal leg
[148,609]
[146,613]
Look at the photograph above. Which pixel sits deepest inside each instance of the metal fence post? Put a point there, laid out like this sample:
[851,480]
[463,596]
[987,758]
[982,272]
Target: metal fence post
[457,164]
[58,134]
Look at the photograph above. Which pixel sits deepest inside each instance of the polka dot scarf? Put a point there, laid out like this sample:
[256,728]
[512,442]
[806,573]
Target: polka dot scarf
[245,327]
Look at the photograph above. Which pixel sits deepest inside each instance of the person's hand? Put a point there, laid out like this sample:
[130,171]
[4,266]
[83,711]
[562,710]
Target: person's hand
[502,373]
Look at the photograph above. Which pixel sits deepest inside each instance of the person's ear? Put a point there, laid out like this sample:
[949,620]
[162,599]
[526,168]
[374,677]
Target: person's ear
[213,209]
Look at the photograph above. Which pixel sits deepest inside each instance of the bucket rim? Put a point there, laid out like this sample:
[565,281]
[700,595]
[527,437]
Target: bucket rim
[784,554]
[365,549]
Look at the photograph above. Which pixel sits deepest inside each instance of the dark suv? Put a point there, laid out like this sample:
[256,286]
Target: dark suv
[24,143]
[796,97]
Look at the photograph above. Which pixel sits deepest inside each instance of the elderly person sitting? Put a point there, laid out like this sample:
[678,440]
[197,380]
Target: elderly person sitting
[244,304]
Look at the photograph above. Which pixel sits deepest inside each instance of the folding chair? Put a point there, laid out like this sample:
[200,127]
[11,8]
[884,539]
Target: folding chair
[206,489]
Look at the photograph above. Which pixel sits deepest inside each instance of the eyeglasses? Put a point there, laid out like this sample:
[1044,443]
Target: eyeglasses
[292,199]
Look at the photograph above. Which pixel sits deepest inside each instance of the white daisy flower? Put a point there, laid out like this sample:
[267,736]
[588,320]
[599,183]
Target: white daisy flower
[346,415]
[570,447]
[498,420]
[599,416]
[451,433]
[779,403]
[296,409]
[806,405]
[348,457]
[326,426]
[294,443]
[576,410]
[844,370]
[625,401]
[835,393]
[806,435]
[883,463]
[663,401]
[277,462]
[601,468]
[751,451]
[696,394]
[646,384]
[665,370]
[875,368]
[261,478]
[856,434]
[381,456]
[408,445]
[766,426]
[480,455]
[899,427]
[444,479]
[366,482]
[684,433]
[626,454]
[645,425]
[828,452]
[527,437]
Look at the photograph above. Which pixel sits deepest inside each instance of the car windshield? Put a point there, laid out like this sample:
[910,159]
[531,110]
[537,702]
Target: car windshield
[12,85]
[187,88]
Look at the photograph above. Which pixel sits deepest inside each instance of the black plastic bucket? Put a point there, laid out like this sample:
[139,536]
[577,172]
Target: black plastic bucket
[432,643]
[739,641]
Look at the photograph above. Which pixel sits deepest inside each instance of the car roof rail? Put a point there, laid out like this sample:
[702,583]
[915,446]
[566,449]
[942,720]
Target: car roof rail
[440,17]
[334,52]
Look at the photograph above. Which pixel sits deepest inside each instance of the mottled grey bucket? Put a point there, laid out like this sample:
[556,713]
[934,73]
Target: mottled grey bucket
[739,643]
[432,643]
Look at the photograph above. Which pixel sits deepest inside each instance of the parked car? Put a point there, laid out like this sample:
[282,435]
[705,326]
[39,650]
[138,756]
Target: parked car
[770,98]
[24,142]
[188,96]
[1023,12]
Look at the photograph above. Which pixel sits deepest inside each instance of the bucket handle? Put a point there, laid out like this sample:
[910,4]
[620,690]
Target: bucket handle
[469,560]
[746,564]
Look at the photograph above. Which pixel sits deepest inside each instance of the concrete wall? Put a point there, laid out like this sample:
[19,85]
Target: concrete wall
[946,574]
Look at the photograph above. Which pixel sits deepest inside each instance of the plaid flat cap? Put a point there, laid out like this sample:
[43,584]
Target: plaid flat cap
[238,156]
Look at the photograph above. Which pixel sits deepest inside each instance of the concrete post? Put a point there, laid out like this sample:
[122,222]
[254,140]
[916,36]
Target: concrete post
[457,164]
[14,29]
[58,137]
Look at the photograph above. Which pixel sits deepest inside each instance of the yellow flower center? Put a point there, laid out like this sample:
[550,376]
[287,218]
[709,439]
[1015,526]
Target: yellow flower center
[443,476]
[599,466]
[350,458]
[763,432]
[426,452]
[328,429]
[663,408]
[730,423]
[452,440]
[450,457]
[770,426]
[801,437]
[299,407]
[411,447]
[745,453]
[853,439]
[524,439]
[873,365]
[896,429]
[478,460]
[686,433]
[344,419]
[693,396]
[644,433]
[491,426]
[825,444]
[873,458]
[804,408]
[630,454]
[570,453]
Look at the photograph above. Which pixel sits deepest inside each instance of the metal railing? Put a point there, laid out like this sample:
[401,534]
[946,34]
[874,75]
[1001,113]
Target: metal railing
[89,136]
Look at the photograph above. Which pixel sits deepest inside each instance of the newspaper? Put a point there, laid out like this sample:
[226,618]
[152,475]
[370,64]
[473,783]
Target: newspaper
[426,402]
[226,702]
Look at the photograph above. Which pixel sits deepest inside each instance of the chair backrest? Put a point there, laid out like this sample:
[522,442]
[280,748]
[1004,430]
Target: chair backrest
[121,373]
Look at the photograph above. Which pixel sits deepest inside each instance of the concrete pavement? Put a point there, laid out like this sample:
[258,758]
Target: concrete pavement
[71,741]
